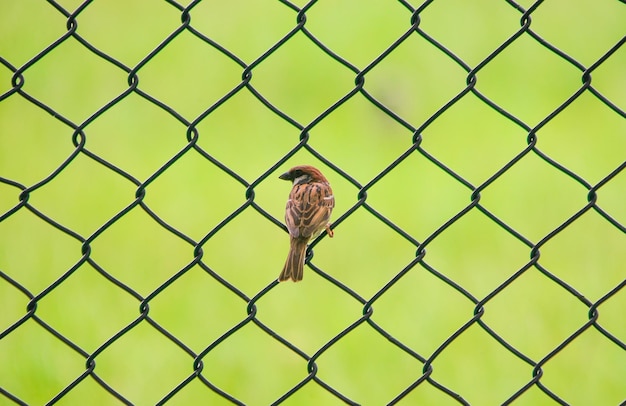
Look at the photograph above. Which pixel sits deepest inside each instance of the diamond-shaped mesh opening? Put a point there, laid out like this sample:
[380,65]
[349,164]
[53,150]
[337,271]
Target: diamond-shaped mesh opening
[477,152]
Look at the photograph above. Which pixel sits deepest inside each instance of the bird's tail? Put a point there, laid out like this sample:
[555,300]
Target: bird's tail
[294,266]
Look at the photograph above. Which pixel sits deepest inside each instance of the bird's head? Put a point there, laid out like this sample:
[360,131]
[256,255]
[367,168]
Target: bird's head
[303,174]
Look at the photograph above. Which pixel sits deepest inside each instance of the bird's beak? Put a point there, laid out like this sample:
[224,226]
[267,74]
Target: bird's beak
[285,176]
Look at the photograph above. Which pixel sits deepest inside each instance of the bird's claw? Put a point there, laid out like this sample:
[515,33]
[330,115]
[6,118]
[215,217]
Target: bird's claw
[330,232]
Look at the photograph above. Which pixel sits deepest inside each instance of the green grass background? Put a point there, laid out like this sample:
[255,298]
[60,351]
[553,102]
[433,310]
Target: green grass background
[533,314]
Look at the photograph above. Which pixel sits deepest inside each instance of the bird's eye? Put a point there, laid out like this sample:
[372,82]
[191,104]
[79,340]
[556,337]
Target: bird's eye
[297,173]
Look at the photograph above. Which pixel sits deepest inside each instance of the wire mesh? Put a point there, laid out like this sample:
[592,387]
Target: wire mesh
[419,367]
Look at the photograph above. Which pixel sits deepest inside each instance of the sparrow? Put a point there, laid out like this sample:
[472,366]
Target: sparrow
[308,209]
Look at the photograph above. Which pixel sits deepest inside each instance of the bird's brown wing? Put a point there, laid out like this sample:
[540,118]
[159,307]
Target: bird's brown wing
[308,209]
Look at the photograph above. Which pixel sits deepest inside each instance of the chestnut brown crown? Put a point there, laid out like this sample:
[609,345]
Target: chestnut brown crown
[303,174]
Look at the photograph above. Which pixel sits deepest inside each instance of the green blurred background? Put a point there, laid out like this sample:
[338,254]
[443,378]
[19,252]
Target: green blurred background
[533,314]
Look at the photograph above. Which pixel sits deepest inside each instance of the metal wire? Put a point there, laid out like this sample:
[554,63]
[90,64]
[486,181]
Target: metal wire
[413,28]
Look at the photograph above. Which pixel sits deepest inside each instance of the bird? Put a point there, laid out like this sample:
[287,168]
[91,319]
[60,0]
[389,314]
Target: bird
[308,210]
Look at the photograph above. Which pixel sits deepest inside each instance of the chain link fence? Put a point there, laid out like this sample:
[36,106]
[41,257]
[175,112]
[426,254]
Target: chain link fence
[477,153]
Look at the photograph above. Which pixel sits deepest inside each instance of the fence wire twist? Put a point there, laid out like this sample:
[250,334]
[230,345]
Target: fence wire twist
[424,377]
